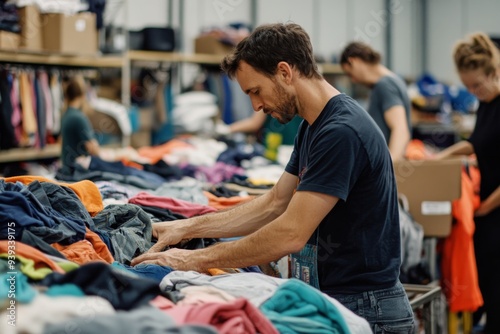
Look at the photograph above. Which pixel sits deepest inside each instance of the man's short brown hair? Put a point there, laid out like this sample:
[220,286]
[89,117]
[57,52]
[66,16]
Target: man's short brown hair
[270,44]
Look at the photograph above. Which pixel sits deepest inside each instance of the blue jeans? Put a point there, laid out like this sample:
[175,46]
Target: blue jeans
[387,310]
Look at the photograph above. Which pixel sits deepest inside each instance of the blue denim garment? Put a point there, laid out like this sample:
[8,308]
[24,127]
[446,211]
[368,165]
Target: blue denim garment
[63,200]
[387,310]
[80,174]
[21,206]
[129,229]
[152,271]
[97,164]
[251,269]
[35,241]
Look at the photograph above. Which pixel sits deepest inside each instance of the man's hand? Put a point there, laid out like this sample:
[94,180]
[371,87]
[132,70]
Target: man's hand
[167,234]
[176,258]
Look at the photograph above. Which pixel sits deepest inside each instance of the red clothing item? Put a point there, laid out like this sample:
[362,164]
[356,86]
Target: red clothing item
[185,208]
[459,272]
[237,317]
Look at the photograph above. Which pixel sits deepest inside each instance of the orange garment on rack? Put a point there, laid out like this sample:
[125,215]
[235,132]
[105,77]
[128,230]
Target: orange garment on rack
[92,248]
[29,123]
[86,191]
[28,252]
[220,203]
[156,153]
[459,272]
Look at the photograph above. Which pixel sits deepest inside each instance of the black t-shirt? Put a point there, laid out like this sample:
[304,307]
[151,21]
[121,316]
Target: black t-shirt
[486,142]
[344,154]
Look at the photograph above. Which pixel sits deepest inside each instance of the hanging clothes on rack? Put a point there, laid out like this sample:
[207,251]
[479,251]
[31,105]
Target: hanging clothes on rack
[57,101]
[7,135]
[28,114]
[16,118]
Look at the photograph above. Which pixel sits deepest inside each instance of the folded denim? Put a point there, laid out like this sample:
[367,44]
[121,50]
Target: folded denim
[129,229]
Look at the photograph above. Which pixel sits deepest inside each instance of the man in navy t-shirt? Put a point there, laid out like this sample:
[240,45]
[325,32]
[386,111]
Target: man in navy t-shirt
[334,209]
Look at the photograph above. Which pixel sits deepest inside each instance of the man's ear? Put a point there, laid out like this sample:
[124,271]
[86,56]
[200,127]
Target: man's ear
[284,72]
[352,60]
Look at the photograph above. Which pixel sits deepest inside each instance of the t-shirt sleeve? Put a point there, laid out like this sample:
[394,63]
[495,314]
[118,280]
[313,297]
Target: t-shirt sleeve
[335,162]
[389,95]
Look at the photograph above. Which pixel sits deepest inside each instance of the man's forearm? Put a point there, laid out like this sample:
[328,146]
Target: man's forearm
[397,143]
[270,243]
[238,221]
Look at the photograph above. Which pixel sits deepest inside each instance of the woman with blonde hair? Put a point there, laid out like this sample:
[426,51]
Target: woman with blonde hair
[478,63]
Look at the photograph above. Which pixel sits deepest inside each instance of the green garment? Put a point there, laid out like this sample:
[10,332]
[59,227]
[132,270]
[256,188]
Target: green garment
[276,134]
[27,267]
[297,307]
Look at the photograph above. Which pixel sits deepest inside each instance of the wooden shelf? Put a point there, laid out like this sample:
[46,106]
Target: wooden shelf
[329,68]
[117,61]
[174,57]
[60,60]
[27,154]
[203,58]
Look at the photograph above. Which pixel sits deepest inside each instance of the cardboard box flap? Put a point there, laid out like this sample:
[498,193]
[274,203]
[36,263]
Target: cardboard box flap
[430,187]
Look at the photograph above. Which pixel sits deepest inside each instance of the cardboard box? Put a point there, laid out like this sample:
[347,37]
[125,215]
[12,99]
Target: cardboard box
[211,45]
[9,40]
[70,34]
[430,187]
[31,28]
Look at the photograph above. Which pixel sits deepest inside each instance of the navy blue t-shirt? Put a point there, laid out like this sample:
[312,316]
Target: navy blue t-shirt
[344,154]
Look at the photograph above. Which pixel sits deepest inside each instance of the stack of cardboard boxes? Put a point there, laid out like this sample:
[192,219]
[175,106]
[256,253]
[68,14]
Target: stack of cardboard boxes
[55,33]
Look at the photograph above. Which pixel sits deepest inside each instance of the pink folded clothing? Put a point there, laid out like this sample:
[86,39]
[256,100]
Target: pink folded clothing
[185,208]
[236,317]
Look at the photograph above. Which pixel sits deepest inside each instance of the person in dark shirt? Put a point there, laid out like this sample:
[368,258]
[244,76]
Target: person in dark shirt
[389,104]
[76,131]
[478,63]
[335,207]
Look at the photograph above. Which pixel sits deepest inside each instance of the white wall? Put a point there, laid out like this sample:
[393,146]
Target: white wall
[406,38]
[136,14]
[333,23]
[451,20]
[330,23]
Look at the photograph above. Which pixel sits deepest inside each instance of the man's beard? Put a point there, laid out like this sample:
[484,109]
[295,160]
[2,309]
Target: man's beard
[286,108]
